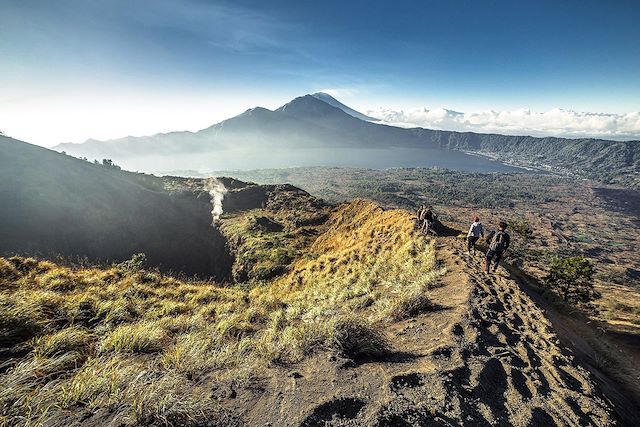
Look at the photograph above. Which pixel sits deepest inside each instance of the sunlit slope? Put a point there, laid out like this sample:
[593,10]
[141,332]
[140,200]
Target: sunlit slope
[371,324]
[368,258]
[53,204]
[155,349]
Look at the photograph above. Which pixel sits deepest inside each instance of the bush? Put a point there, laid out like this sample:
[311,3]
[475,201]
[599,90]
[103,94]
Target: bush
[572,279]
[355,337]
[411,305]
[521,226]
[133,264]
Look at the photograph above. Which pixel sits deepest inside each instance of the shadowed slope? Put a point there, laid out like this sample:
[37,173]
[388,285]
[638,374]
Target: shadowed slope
[54,204]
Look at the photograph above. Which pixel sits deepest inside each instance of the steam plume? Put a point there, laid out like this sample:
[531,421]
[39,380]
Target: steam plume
[216,190]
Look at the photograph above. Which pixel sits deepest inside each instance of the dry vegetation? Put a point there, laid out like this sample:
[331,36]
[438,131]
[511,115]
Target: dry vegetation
[549,216]
[147,348]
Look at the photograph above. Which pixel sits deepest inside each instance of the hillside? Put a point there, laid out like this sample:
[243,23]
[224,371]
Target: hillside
[550,216]
[371,325]
[612,162]
[318,130]
[53,204]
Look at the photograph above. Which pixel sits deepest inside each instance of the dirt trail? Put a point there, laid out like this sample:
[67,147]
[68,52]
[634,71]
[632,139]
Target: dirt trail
[486,356]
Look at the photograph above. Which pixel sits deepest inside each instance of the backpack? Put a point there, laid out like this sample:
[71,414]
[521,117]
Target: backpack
[499,242]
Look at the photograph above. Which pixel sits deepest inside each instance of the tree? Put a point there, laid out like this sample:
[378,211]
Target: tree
[109,163]
[572,279]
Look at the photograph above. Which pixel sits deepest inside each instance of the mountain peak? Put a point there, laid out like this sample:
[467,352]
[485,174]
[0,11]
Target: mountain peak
[325,97]
[308,104]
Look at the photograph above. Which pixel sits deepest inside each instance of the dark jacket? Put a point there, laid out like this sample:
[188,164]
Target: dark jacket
[429,216]
[500,241]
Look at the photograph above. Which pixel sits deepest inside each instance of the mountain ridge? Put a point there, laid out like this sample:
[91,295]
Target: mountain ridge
[311,123]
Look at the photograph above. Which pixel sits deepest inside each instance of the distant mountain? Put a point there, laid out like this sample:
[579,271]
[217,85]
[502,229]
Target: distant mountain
[325,97]
[53,204]
[318,130]
[611,162]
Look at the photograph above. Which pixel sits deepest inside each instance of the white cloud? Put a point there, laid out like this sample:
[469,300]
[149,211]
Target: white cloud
[555,122]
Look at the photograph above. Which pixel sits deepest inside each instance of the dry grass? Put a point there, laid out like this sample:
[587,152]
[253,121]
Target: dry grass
[152,346]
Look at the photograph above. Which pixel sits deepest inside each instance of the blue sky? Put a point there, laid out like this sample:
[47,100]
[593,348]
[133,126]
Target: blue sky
[73,69]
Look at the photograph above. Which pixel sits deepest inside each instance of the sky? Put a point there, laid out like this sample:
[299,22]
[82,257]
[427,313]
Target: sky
[77,69]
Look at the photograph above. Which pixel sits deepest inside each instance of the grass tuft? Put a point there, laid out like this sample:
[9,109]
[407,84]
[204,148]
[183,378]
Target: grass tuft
[73,339]
[412,305]
[354,336]
[143,337]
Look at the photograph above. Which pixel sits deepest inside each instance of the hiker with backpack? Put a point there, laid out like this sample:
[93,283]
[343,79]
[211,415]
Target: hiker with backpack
[499,244]
[475,232]
[429,219]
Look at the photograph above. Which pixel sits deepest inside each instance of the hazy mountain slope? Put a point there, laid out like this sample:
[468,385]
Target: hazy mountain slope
[304,132]
[55,204]
[312,130]
[305,122]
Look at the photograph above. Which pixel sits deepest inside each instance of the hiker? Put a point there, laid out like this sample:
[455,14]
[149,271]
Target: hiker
[429,219]
[499,244]
[475,232]
[420,216]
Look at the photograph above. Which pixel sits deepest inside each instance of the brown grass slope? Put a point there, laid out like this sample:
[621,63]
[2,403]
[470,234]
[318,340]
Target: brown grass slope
[93,346]
[371,325]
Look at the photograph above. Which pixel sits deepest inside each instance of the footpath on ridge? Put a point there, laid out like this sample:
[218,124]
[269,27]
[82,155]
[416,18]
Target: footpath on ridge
[485,355]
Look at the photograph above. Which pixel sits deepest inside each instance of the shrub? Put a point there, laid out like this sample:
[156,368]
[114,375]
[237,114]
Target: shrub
[133,264]
[572,279]
[411,305]
[521,226]
[354,336]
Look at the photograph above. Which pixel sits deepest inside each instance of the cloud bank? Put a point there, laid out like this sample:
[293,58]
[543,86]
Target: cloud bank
[555,122]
